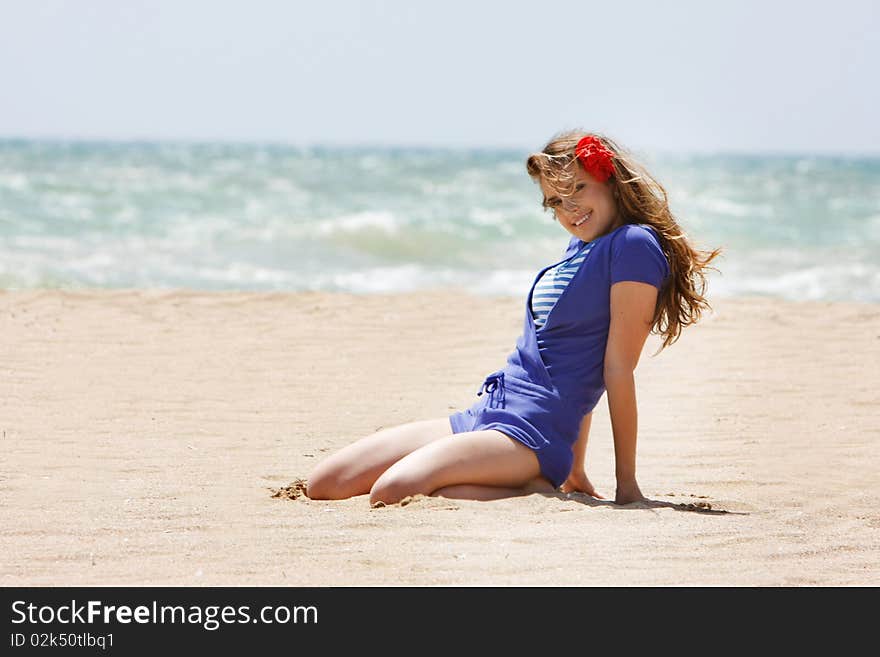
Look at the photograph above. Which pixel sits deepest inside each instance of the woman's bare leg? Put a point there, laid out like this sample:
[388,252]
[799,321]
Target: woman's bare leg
[354,469]
[479,459]
[487,493]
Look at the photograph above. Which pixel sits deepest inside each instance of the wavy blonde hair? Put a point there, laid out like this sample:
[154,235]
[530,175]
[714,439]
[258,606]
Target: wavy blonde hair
[640,200]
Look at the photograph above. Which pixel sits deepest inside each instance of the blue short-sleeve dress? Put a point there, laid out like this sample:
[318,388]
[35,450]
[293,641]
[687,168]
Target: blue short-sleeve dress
[555,374]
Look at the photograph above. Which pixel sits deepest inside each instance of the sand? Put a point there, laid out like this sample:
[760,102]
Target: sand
[156,438]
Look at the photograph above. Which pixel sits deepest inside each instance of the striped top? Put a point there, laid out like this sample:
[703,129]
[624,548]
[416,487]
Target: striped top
[551,284]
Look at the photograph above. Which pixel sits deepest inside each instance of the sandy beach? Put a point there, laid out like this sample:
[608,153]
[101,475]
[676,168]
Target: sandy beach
[144,432]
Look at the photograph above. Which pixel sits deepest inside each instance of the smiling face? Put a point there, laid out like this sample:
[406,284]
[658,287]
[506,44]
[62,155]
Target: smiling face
[589,212]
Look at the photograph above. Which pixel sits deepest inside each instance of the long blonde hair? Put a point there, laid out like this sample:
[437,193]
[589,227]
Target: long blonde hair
[640,200]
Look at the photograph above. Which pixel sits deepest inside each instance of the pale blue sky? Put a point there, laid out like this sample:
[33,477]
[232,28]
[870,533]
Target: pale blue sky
[759,76]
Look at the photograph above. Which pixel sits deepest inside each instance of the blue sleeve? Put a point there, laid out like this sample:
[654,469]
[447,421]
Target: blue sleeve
[636,256]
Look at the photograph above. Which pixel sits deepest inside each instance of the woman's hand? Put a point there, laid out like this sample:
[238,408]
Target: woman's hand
[579,482]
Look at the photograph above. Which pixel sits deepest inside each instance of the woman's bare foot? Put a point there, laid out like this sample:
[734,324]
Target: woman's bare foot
[628,493]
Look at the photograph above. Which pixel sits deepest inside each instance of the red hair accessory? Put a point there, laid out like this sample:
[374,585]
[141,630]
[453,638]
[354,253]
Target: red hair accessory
[595,157]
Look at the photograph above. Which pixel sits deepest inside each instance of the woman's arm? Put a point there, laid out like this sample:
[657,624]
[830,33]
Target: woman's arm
[632,309]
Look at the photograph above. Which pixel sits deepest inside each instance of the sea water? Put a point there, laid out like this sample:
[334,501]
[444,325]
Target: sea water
[257,217]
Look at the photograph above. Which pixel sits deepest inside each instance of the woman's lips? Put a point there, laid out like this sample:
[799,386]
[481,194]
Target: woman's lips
[583,219]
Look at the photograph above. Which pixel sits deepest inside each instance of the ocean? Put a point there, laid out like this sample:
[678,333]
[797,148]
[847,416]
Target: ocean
[258,217]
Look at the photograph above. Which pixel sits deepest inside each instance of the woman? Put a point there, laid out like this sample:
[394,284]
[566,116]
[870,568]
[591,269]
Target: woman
[628,270]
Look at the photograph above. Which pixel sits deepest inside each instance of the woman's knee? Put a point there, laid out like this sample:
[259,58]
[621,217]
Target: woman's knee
[328,481]
[392,487]
[320,485]
[354,469]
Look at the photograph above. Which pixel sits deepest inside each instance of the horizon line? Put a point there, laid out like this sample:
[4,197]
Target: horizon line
[413,145]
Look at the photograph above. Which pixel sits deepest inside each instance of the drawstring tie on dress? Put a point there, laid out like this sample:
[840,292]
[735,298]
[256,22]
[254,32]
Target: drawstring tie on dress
[494,385]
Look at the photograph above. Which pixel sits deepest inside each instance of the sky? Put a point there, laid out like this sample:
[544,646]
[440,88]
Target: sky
[677,76]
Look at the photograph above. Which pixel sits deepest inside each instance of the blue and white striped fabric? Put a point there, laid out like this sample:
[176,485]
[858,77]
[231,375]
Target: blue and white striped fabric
[549,288]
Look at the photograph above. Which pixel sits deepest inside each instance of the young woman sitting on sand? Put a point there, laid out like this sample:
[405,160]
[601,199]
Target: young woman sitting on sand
[628,270]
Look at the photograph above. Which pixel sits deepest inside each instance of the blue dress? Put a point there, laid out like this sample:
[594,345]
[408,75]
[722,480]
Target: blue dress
[555,375]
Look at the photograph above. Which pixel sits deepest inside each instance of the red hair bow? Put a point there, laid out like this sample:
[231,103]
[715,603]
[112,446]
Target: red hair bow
[595,157]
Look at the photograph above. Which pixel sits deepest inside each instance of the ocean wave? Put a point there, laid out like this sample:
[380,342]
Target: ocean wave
[215,216]
[383,222]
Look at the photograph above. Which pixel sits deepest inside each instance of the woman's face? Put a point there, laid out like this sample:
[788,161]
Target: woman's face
[590,212]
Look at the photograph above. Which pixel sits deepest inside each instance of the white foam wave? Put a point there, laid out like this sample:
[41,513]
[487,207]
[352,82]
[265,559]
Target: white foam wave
[498,219]
[831,280]
[729,208]
[14,181]
[361,221]
[410,278]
